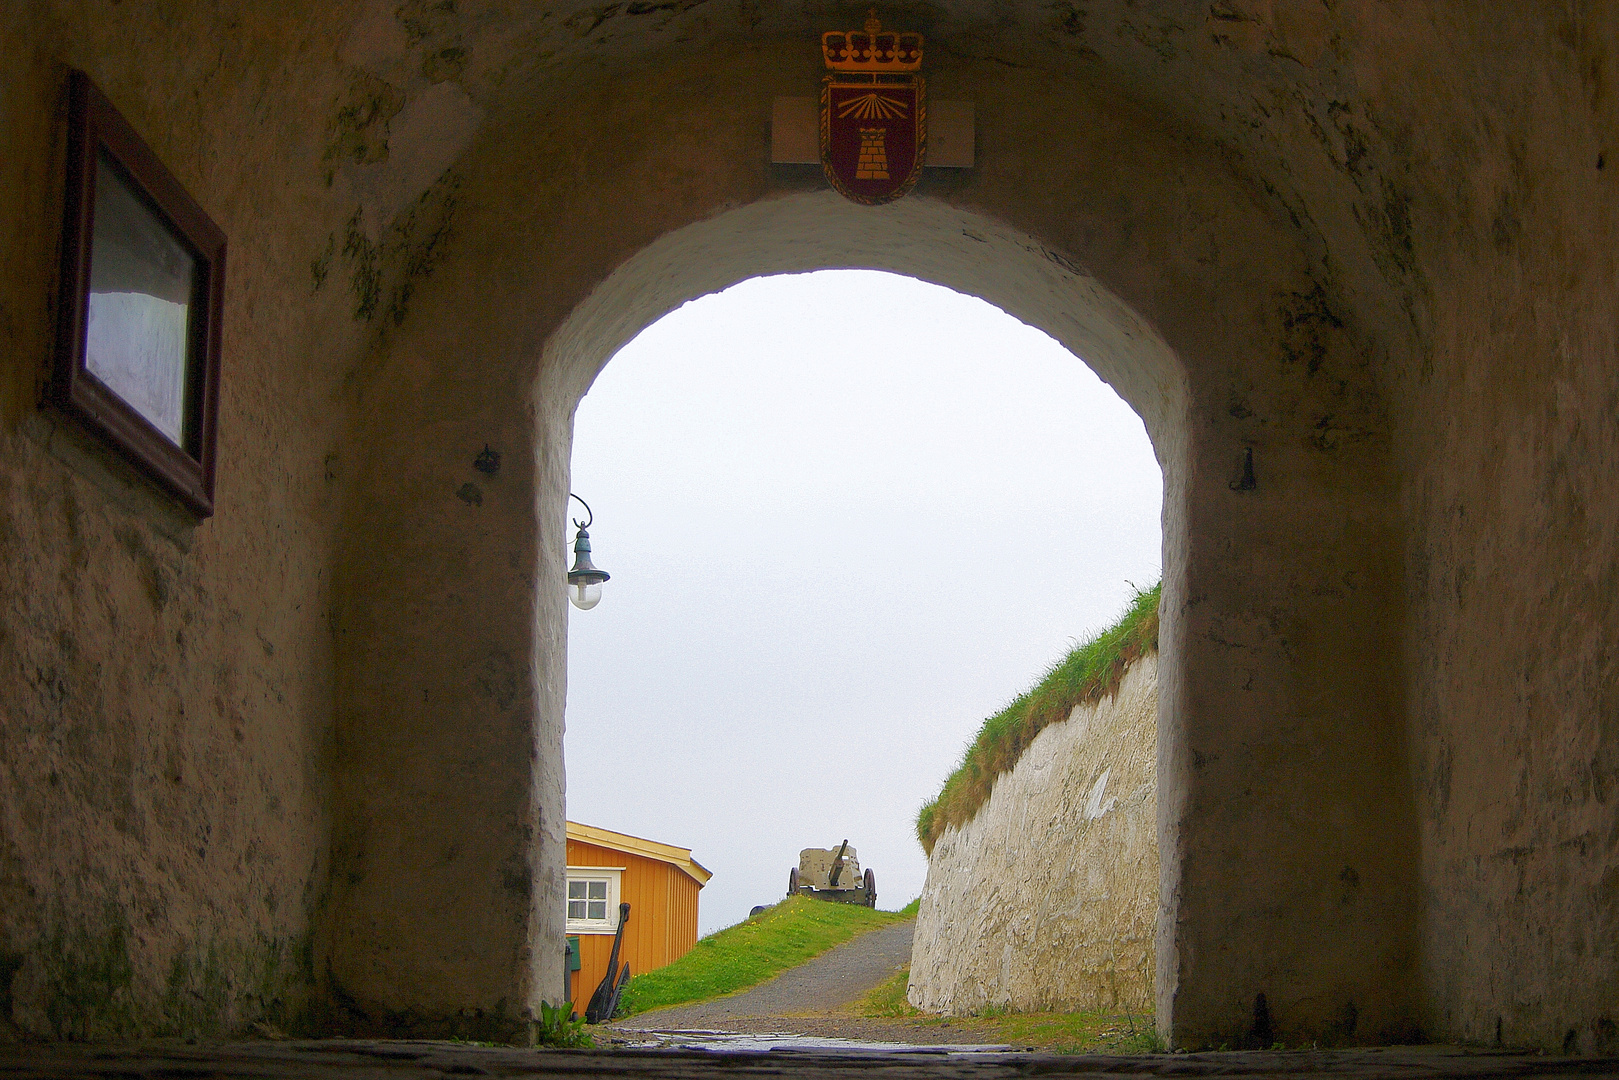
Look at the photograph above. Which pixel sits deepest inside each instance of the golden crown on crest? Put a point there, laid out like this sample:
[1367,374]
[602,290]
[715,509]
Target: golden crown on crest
[872,50]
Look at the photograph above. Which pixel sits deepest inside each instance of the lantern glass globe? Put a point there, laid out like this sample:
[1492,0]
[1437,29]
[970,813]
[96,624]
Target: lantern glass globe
[584,595]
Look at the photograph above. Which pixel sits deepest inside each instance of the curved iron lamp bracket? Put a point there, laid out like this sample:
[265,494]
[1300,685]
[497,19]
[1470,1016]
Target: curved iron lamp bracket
[590,515]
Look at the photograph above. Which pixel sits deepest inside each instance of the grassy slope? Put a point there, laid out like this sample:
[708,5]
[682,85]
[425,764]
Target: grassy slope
[1087,674]
[754,950]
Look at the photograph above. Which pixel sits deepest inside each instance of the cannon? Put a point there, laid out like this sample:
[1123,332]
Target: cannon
[832,874]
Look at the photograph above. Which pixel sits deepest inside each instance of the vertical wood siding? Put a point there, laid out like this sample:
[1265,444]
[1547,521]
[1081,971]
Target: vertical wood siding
[663,917]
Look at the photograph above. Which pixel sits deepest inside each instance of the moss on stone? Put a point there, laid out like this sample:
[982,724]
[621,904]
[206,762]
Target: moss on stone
[90,979]
[366,275]
[358,131]
[220,988]
[216,988]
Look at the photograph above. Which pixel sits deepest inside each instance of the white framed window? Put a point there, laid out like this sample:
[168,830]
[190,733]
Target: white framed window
[593,899]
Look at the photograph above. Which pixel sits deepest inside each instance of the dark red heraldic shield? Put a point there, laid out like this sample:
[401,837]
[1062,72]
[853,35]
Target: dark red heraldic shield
[872,136]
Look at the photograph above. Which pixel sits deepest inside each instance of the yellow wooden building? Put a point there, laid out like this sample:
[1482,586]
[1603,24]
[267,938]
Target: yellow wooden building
[660,883]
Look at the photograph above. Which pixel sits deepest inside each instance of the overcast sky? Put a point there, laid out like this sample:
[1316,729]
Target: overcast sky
[848,515]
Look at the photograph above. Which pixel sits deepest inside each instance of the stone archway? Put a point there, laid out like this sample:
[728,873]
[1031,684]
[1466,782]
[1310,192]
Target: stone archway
[1377,237]
[1286,832]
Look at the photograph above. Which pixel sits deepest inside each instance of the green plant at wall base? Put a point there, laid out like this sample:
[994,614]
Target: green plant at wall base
[1086,675]
[559,1027]
[888,999]
[1062,1033]
[756,949]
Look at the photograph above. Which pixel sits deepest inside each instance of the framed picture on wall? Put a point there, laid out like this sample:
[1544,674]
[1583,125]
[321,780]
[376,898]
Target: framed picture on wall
[142,282]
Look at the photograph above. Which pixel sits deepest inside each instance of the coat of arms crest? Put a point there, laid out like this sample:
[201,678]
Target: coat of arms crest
[873,114]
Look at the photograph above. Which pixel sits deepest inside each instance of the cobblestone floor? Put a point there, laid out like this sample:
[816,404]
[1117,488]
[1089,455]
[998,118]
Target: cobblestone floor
[381,1060]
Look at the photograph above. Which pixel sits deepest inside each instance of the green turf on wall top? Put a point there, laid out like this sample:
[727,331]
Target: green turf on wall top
[1087,674]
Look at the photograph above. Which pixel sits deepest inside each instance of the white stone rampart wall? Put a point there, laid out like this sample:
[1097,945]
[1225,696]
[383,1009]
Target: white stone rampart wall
[1047,898]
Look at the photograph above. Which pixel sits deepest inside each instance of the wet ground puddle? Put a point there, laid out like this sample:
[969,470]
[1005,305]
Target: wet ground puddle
[765,1041]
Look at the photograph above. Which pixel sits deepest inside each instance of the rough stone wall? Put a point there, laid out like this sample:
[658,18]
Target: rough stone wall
[1509,457]
[167,685]
[1048,897]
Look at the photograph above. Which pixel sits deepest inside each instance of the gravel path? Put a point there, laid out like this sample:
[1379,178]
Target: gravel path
[833,979]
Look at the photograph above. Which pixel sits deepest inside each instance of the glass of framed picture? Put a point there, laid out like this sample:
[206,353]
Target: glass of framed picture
[143,274]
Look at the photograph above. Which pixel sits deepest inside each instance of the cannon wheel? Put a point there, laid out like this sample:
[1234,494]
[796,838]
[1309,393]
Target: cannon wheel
[792,882]
[871,888]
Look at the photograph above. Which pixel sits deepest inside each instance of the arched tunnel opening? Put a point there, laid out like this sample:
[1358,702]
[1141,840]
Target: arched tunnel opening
[850,516]
[937,244]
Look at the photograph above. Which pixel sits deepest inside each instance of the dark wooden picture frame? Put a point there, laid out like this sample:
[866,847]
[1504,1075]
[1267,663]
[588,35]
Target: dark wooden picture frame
[107,160]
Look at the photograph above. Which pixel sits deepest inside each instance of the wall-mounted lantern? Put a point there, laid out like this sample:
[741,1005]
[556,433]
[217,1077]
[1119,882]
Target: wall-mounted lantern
[584,580]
